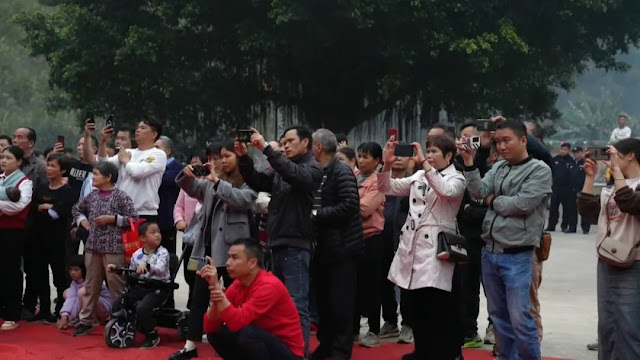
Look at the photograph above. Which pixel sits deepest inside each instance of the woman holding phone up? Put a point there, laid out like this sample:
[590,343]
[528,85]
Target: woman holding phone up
[227,202]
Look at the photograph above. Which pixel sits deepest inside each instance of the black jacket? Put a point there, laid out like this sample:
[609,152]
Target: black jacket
[291,184]
[578,176]
[563,169]
[168,193]
[338,221]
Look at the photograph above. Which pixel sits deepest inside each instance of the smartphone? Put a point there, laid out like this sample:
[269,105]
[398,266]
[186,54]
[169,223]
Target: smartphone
[244,135]
[110,121]
[472,143]
[91,116]
[201,170]
[61,140]
[404,150]
[196,263]
[485,125]
[597,153]
[392,132]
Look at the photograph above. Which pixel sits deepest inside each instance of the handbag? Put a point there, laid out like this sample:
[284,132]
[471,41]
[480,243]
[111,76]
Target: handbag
[193,230]
[131,240]
[452,247]
[618,248]
[542,253]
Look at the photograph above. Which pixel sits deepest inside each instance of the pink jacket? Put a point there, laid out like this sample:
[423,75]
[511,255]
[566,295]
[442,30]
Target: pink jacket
[185,208]
[371,206]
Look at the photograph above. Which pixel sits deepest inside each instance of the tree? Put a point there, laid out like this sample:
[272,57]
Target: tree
[204,64]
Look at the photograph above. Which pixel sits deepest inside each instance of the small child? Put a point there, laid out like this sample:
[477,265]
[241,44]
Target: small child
[10,193]
[73,296]
[150,262]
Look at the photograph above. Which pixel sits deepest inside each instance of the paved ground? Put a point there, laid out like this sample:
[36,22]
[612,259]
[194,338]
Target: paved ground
[567,297]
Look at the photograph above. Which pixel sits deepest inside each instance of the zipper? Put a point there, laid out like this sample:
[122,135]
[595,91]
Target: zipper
[493,241]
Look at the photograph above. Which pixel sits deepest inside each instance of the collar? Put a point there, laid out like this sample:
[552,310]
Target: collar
[529,158]
[170,160]
[308,156]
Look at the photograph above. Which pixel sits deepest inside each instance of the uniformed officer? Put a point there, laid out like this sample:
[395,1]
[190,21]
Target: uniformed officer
[563,193]
[578,179]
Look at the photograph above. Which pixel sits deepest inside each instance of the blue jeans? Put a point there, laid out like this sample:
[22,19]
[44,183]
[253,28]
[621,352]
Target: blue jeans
[618,312]
[291,266]
[507,279]
[249,343]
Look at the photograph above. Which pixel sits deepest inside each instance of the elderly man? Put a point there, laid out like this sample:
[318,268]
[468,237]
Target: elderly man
[338,224]
[168,193]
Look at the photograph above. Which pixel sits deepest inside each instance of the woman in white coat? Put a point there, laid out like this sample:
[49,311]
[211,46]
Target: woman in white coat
[435,193]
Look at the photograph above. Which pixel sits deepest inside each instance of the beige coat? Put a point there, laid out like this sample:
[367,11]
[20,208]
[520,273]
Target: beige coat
[434,200]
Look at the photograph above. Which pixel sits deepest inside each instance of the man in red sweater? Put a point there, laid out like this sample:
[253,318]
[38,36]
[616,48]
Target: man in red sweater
[255,318]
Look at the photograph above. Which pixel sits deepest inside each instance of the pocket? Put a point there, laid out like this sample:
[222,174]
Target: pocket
[237,227]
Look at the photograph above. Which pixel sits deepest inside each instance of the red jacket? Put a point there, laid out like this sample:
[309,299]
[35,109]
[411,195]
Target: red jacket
[267,304]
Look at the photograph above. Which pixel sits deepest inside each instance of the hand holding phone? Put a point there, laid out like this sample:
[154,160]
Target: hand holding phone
[244,135]
[200,170]
[485,125]
[196,263]
[597,153]
[110,121]
[404,150]
[472,143]
[61,140]
[392,134]
[91,117]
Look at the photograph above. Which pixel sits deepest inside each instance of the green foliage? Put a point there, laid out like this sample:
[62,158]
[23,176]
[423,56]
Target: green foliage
[203,65]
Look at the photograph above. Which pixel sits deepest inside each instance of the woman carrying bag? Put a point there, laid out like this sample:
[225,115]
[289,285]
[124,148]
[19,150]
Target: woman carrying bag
[435,193]
[226,205]
[618,212]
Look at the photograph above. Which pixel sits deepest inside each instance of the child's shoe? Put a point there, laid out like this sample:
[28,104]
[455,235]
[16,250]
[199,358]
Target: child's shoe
[151,341]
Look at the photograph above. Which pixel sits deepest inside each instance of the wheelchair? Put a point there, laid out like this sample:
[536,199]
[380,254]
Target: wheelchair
[120,331]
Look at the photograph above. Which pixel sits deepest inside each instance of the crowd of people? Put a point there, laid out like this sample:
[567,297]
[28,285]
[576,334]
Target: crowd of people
[320,239]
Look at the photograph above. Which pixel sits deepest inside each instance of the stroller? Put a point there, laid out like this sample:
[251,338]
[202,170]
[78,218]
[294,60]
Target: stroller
[120,331]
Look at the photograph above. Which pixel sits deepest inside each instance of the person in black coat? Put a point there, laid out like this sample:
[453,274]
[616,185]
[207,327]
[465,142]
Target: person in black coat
[578,178]
[168,193]
[339,236]
[563,169]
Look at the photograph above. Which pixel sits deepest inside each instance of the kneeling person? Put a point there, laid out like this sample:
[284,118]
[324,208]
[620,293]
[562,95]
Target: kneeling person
[151,262]
[255,318]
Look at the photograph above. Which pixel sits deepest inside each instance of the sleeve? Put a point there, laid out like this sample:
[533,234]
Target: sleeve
[262,301]
[589,205]
[628,200]
[196,188]
[133,263]
[115,160]
[240,199]
[479,187]
[535,189]
[258,181]
[160,265]
[127,210]
[262,203]
[347,202]
[453,188]
[475,212]
[153,164]
[612,138]
[212,325]
[178,208]
[371,200]
[538,151]
[395,187]
[65,202]
[626,133]
[79,210]
[305,176]
[72,297]
[26,193]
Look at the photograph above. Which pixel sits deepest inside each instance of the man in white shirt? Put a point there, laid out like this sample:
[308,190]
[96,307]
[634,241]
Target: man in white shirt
[141,168]
[622,131]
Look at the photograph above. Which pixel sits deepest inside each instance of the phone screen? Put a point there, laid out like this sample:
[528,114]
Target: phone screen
[403,150]
[91,116]
[61,140]
[110,121]
[392,132]
[244,135]
[196,263]
[485,125]
[597,153]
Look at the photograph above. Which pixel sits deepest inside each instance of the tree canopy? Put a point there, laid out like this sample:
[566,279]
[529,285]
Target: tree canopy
[202,65]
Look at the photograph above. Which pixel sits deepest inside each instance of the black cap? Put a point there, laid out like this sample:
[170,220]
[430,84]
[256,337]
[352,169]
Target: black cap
[577,149]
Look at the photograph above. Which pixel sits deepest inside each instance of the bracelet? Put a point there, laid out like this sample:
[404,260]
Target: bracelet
[422,163]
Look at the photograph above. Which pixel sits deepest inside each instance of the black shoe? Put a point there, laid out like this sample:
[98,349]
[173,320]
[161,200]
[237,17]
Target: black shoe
[550,229]
[319,355]
[570,231]
[82,329]
[47,318]
[183,354]
[586,232]
[409,356]
[28,315]
[151,341]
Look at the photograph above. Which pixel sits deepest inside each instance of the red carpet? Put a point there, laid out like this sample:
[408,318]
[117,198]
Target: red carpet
[38,341]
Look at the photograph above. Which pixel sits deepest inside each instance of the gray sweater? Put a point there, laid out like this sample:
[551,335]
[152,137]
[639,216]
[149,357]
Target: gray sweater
[520,206]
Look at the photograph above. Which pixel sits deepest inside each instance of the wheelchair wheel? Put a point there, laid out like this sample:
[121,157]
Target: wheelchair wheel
[119,333]
[183,325]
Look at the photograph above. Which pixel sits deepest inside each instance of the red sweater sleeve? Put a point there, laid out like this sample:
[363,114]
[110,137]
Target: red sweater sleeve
[261,301]
[212,325]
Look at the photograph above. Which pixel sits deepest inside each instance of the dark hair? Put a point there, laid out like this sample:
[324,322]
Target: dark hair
[107,169]
[16,151]
[449,130]
[251,248]
[469,124]
[94,141]
[516,126]
[302,132]
[214,147]
[443,142]
[348,152]
[227,145]
[31,134]
[628,146]
[6,137]
[142,229]
[372,148]
[131,134]
[63,161]
[46,153]
[566,145]
[154,124]
[69,151]
[340,137]
[77,261]
[199,154]
[538,132]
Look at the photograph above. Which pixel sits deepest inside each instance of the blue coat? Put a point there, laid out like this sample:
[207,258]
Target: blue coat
[168,193]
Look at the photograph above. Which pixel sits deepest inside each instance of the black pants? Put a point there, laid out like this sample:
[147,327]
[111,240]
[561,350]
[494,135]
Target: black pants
[169,239]
[189,276]
[144,300]
[567,198]
[434,326]
[585,224]
[369,285]
[471,276]
[336,284]
[388,289]
[200,304]
[249,343]
[52,252]
[11,248]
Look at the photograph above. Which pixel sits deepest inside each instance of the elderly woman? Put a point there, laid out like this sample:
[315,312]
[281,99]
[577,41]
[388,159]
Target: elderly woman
[13,216]
[435,193]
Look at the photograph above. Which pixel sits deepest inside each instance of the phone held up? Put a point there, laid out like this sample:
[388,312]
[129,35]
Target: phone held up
[404,150]
[244,135]
[472,143]
[201,170]
[110,121]
[393,133]
[597,153]
[196,263]
[91,116]
[485,125]
[61,140]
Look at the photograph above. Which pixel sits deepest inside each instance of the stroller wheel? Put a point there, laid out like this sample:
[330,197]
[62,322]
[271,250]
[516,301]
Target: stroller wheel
[119,333]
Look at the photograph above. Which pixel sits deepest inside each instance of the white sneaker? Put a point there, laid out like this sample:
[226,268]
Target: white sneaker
[9,325]
[204,338]
[370,340]
[406,335]
[388,331]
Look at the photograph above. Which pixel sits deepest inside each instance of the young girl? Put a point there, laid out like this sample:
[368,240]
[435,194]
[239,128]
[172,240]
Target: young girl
[74,294]
[51,206]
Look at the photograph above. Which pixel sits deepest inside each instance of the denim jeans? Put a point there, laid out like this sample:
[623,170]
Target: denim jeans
[291,266]
[249,343]
[507,279]
[618,312]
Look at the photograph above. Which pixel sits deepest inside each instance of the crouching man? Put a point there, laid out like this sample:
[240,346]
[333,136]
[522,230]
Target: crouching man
[255,318]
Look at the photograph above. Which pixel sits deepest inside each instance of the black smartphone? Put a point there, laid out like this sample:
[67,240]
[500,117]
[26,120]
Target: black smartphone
[91,116]
[485,125]
[201,170]
[110,121]
[597,153]
[61,140]
[196,263]
[404,150]
[244,135]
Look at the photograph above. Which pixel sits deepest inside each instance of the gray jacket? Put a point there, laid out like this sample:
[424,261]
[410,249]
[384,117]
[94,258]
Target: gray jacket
[35,169]
[517,214]
[230,208]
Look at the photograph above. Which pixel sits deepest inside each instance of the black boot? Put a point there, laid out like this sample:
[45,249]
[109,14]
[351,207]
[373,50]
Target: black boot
[151,341]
